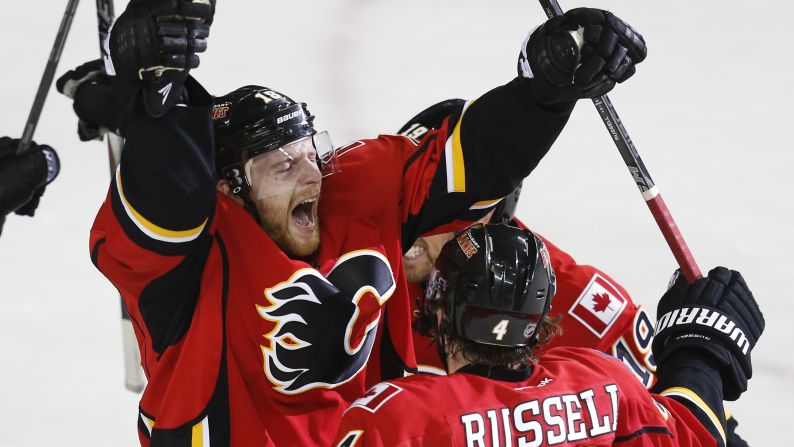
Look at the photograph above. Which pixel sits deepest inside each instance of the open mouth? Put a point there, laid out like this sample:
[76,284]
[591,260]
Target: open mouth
[303,214]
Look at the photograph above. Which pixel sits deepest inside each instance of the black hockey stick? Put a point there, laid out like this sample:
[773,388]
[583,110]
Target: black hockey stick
[649,190]
[47,77]
[134,379]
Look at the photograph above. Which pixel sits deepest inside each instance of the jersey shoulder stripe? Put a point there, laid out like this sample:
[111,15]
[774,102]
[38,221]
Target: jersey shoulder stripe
[149,228]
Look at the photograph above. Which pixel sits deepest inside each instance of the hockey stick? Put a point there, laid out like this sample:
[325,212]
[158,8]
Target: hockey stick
[638,171]
[134,379]
[46,78]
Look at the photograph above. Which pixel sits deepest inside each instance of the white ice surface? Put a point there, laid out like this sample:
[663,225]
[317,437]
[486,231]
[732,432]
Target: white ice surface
[709,112]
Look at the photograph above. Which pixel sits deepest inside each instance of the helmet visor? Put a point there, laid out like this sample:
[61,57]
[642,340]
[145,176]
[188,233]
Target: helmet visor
[293,168]
[326,153]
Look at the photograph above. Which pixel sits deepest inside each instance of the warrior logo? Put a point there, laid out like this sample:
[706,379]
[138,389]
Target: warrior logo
[325,327]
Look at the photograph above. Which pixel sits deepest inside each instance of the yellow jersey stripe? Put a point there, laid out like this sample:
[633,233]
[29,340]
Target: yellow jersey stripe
[200,436]
[691,396]
[453,153]
[150,229]
[458,166]
[197,440]
[484,204]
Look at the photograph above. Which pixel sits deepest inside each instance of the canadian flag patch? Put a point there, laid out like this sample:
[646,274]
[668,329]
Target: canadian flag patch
[599,305]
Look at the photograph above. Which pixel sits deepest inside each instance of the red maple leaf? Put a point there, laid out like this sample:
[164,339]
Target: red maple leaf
[601,302]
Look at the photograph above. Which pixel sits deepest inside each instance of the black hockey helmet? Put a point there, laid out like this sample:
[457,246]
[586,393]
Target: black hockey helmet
[253,120]
[431,118]
[505,210]
[494,283]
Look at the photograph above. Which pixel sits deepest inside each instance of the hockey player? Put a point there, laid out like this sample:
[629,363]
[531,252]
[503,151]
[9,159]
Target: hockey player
[24,177]
[263,309]
[488,303]
[619,327]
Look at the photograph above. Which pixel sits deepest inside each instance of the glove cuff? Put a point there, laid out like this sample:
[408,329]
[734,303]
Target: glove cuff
[524,69]
[53,163]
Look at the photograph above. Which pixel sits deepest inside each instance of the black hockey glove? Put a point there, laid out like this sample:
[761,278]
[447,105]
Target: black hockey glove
[23,177]
[153,45]
[97,113]
[716,315]
[559,72]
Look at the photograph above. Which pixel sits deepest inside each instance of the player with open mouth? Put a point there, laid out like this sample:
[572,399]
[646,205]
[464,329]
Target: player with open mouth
[261,267]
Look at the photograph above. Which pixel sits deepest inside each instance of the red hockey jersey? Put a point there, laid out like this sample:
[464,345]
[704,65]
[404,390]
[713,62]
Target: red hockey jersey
[596,312]
[244,346]
[572,397]
[298,335]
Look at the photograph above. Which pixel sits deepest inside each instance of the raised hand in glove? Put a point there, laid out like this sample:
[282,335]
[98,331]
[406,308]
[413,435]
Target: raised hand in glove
[718,317]
[23,177]
[98,109]
[153,45]
[558,72]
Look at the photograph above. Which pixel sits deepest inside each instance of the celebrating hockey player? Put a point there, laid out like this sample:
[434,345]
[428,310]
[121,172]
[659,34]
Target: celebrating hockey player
[487,306]
[262,268]
[593,310]
[23,177]
[618,327]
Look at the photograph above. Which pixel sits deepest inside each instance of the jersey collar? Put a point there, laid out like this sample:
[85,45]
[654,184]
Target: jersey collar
[497,372]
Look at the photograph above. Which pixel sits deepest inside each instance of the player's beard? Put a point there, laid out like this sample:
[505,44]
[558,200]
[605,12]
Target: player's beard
[298,237]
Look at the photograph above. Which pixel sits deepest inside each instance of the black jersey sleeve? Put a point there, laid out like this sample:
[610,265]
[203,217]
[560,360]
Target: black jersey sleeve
[488,149]
[163,191]
[151,236]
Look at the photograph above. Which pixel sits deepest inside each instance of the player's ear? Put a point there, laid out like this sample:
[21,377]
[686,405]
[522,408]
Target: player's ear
[225,189]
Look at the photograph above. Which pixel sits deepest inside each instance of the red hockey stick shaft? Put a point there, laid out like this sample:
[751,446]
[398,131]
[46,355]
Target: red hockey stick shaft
[640,174]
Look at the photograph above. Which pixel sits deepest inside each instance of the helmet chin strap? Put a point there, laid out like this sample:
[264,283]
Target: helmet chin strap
[240,186]
[441,346]
[250,207]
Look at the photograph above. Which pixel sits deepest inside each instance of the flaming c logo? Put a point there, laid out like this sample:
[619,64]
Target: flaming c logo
[325,326]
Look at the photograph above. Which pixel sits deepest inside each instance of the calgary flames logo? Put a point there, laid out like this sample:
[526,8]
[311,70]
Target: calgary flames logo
[220,111]
[325,327]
